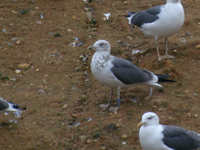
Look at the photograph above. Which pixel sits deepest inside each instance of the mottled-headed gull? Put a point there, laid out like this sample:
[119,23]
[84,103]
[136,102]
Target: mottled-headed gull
[155,136]
[159,21]
[118,72]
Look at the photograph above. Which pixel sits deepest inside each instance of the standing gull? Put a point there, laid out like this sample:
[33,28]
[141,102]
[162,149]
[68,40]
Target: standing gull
[118,72]
[155,136]
[159,21]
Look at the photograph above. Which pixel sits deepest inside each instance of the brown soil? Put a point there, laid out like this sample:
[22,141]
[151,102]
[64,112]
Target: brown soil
[59,90]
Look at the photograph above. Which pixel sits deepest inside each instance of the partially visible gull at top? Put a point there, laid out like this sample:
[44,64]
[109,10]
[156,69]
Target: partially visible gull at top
[117,72]
[6,106]
[155,136]
[159,21]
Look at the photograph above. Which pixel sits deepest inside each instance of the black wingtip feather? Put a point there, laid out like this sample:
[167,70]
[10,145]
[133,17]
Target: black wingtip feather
[164,78]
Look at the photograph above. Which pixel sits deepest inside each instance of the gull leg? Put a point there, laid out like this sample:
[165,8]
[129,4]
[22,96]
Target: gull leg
[107,104]
[115,108]
[166,49]
[166,56]
[157,48]
[111,93]
[111,96]
[118,96]
[150,94]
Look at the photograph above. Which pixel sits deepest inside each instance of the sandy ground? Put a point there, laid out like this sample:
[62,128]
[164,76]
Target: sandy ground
[53,80]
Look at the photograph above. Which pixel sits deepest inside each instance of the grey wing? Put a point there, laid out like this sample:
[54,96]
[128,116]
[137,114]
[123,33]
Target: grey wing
[147,16]
[180,139]
[129,73]
[154,10]
[3,104]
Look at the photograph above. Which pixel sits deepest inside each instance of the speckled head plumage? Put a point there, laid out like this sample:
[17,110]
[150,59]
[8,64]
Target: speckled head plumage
[102,46]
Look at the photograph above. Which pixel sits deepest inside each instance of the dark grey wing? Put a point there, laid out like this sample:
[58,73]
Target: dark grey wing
[154,10]
[147,16]
[3,104]
[129,73]
[180,139]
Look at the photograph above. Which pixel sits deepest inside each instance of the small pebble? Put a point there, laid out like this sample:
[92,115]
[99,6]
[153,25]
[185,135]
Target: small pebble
[75,124]
[196,115]
[89,15]
[118,125]
[135,51]
[69,30]
[14,12]
[89,141]
[74,115]
[197,46]
[124,143]
[13,79]
[13,121]
[17,71]
[189,115]
[82,138]
[124,136]
[103,148]
[183,40]
[113,109]
[14,39]
[23,66]
[18,42]
[89,119]
[74,17]
[83,97]
[125,2]
[5,113]
[104,106]
[76,43]
[129,38]
[38,22]
[195,94]
[41,91]
[4,30]
[65,106]
[85,1]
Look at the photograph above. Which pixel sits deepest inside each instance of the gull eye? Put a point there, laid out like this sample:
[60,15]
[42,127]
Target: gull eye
[149,118]
[101,44]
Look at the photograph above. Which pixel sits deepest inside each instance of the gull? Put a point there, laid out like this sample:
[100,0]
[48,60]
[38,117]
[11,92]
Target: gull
[117,72]
[159,21]
[6,106]
[155,136]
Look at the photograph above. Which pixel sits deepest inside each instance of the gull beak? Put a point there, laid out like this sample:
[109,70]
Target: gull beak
[91,47]
[140,124]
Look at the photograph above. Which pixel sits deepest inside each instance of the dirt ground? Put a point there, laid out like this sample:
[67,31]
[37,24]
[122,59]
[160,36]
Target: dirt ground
[52,78]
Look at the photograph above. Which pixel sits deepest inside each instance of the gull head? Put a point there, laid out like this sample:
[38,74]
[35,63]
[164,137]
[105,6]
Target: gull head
[101,46]
[173,1]
[130,16]
[14,107]
[149,118]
